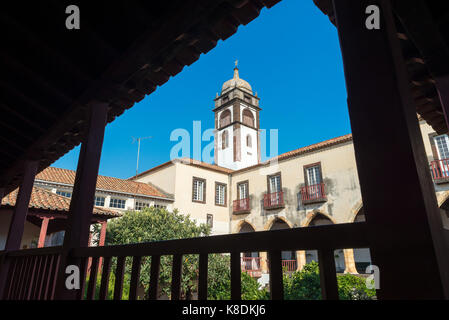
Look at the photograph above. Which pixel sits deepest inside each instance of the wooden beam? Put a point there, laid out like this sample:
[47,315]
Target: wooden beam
[403,220]
[82,203]
[442,84]
[17,223]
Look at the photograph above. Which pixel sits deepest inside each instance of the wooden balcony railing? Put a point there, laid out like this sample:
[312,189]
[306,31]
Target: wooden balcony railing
[241,205]
[440,170]
[273,200]
[33,272]
[313,193]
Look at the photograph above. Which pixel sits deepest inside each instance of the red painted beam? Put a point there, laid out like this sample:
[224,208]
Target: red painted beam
[43,232]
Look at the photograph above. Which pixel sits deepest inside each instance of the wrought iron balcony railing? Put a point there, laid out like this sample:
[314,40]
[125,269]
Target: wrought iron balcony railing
[440,170]
[273,200]
[241,206]
[313,193]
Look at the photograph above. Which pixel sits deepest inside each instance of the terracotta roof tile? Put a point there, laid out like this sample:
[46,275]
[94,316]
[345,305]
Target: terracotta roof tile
[47,200]
[65,176]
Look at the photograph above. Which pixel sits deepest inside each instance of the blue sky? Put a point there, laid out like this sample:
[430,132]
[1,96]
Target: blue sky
[290,55]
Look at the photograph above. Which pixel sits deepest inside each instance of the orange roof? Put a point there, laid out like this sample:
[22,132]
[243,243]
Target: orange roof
[46,200]
[316,146]
[188,161]
[306,149]
[283,156]
[65,176]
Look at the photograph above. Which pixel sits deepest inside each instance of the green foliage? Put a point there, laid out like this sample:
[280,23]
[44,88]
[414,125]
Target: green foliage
[156,224]
[305,285]
[110,294]
[219,281]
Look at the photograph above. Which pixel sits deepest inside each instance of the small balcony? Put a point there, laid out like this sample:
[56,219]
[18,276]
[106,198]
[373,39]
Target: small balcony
[252,266]
[313,194]
[289,265]
[440,171]
[273,200]
[241,206]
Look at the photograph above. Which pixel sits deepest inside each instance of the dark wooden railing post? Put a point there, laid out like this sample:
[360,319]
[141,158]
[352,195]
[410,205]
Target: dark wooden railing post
[276,282]
[328,275]
[236,271]
[18,219]
[154,277]
[202,276]
[176,277]
[404,222]
[82,203]
[442,84]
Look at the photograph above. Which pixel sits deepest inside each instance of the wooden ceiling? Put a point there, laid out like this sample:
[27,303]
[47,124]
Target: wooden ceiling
[123,51]
[423,29]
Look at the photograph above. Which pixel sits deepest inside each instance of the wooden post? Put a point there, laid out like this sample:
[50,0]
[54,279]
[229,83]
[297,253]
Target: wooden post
[442,84]
[2,194]
[104,225]
[102,239]
[404,223]
[82,204]
[43,232]
[17,224]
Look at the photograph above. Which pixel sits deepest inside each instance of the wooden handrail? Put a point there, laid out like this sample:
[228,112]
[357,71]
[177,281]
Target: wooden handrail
[33,273]
[338,236]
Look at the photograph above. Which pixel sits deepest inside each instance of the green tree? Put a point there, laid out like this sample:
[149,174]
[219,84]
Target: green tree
[155,224]
[305,285]
[219,281]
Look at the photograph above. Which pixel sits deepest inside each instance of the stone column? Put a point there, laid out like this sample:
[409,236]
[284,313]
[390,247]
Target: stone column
[349,261]
[300,259]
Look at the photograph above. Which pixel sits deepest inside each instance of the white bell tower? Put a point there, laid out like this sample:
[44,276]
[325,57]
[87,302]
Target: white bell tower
[237,138]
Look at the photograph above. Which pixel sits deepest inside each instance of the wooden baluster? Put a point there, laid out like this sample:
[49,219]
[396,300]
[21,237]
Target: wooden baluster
[276,283]
[236,285]
[176,277]
[83,263]
[119,273]
[45,275]
[154,277]
[92,279]
[135,276]
[33,277]
[24,277]
[16,280]
[202,277]
[11,276]
[38,278]
[328,274]
[105,273]
[54,277]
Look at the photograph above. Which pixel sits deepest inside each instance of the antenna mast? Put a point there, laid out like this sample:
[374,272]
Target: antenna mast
[138,150]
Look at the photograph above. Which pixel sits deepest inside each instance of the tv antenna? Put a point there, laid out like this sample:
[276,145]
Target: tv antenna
[138,150]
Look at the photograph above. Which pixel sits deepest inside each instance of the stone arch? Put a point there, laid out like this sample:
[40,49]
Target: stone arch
[314,214]
[443,205]
[272,220]
[248,117]
[225,118]
[442,198]
[241,223]
[355,211]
